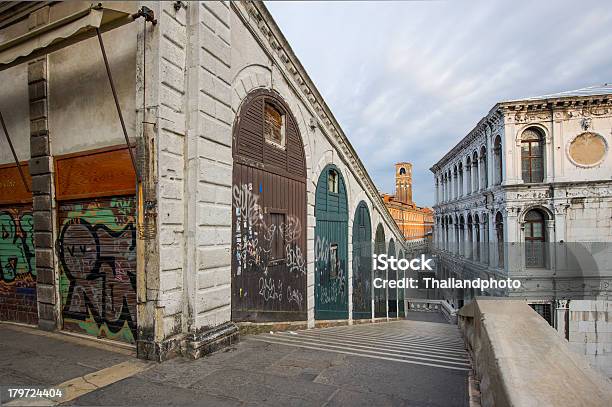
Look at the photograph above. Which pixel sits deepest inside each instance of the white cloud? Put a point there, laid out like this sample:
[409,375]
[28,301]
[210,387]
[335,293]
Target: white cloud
[407,80]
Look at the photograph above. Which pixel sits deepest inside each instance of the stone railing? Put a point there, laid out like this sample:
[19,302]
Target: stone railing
[425,305]
[522,361]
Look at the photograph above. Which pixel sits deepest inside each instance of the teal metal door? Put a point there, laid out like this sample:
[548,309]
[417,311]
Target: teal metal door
[380,294]
[401,291]
[331,246]
[362,263]
[392,277]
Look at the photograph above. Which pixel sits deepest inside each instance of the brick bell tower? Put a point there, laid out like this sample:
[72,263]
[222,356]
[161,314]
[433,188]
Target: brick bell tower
[403,182]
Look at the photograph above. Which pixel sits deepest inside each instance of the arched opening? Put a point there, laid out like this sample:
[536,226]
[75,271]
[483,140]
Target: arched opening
[535,238]
[380,294]
[532,155]
[477,248]
[362,262]
[331,246]
[498,160]
[268,212]
[459,180]
[468,175]
[392,303]
[475,180]
[499,230]
[461,235]
[402,171]
[401,312]
[470,236]
[484,176]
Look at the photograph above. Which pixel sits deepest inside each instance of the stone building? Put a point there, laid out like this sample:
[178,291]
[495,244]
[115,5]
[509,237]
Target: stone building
[181,174]
[415,222]
[528,194]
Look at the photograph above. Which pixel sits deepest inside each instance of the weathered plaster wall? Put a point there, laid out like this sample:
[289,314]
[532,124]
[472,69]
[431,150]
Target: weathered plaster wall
[15,108]
[82,112]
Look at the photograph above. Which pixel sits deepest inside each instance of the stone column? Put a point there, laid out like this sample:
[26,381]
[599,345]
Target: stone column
[41,169]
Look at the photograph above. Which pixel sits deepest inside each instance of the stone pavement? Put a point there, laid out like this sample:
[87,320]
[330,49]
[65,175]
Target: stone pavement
[413,363]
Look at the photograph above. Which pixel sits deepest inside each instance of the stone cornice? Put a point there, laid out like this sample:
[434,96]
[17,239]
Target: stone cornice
[486,126]
[279,49]
[525,111]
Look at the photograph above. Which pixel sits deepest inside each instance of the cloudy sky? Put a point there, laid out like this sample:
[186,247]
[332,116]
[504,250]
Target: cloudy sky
[408,79]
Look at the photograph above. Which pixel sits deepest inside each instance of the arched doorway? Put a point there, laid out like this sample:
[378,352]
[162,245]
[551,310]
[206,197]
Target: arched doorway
[401,291]
[392,277]
[499,231]
[268,212]
[380,294]
[331,246]
[362,262]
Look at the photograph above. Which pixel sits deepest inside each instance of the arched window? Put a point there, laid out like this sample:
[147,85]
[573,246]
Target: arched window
[475,180]
[468,175]
[461,236]
[499,230]
[498,160]
[470,236]
[534,239]
[484,177]
[477,237]
[456,176]
[531,156]
[402,171]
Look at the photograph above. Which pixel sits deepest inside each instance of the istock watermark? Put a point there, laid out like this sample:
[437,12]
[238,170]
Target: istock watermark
[391,263]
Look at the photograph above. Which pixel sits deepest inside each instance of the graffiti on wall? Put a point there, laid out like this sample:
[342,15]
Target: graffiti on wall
[267,247]
[331,271]
[17,266]
[97,256]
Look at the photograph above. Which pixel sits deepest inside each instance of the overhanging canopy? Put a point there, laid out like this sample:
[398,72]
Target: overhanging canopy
[60,34]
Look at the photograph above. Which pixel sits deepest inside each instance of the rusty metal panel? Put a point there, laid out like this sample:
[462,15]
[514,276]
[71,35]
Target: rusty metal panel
[268,216]
[362,262]
[97,258]
[380,294]
[17,265]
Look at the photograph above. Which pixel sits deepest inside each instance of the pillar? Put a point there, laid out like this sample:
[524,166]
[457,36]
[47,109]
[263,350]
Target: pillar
[41,169]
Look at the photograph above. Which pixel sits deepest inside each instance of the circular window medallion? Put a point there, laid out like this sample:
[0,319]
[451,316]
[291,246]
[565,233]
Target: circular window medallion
[587,149]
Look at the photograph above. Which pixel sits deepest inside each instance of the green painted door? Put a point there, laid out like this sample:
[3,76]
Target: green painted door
[331,246]
[380,294]
[362,263]
[401,291]
[392,277]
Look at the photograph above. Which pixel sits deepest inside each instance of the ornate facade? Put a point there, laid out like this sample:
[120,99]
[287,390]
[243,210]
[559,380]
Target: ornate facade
[528,194]
[415,222]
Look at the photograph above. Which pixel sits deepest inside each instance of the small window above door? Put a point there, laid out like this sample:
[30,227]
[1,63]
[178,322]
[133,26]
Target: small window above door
[274,125]
[332,181]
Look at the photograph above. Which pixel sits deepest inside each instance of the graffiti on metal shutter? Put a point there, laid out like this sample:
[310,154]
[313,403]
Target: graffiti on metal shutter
[17,266]
[97,255]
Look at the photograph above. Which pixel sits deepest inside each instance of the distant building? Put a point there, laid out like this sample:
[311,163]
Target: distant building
[414,221]
[528,194]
